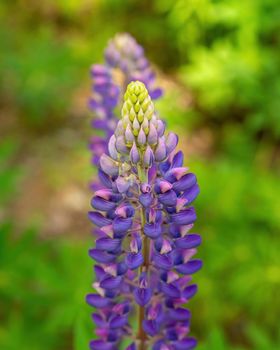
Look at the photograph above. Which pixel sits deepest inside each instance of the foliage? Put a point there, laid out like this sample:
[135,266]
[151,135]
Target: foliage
[43,284]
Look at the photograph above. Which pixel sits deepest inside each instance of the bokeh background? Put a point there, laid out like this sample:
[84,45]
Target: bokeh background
[219,63]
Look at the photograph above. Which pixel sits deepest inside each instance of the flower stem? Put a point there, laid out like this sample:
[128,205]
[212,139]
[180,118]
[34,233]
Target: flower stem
[142,336]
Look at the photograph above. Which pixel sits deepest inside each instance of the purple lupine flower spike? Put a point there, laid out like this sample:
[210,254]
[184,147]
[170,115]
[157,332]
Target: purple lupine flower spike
[124,54]
[103,101]
[144,250]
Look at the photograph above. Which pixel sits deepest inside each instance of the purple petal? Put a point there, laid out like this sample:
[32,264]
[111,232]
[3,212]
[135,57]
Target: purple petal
[162,186]
[190,267]
[168,198]
[129,135]
[142,296]
[108,165]
[146,199]
[189,291]
[99,272]
[156,93]
[112,147]
[171,142]
[160,127]
[104,178]
[185,344]
[160,152]
[148,158]
[102,204]
[108,244]
[153,135]
[97,301]
[170,290]
[163,261]
[98,320]
[121,225]
[178,160]
[132,346]
[150,327]
[134,154]
[101,256]
[186,181]
[175,174]
[179,314]
[122,184]
[152,230]
[111,282]
[184,217]
[108,194]
[190,241]
[134,260]
[99,69]
[101,345]
[191,194]
[118,321]
[141,139]
[98,219]
[121,145]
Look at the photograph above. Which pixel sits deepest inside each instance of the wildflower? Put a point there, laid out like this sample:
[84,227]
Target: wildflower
[143,250]
[126,56]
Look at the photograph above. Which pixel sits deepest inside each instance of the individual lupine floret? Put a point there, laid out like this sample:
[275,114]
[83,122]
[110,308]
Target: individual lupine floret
[125,53]
[144,250]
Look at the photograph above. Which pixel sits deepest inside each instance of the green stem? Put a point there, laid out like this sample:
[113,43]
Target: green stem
[142,337]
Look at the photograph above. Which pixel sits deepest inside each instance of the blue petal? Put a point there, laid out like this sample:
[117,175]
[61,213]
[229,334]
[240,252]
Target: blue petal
[171,142]
[105,179]
[118,321]
[98,320]
[121,225]
[97,300]
[99,272]
[152,230]
[150,327]
[189,291]
[101,345]
[168,198]
[190,267]
[98,219]
[179,314]
[101,204]
[142,296]
[190,241]
[134,260]
[184,217]
[185,344]
[108,244]
[170,290]
[101,256]
[191,194]
[111,282]
[186,181]
[146,199]
[178,160]
[163,261]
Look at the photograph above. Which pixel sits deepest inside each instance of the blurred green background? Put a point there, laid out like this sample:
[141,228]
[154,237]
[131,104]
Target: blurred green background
[219,63]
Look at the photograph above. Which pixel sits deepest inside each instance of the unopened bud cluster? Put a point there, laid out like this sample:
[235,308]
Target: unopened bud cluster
[139,137]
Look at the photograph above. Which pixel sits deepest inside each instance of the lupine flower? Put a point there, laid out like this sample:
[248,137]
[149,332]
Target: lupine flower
[143,249]
[125,55]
